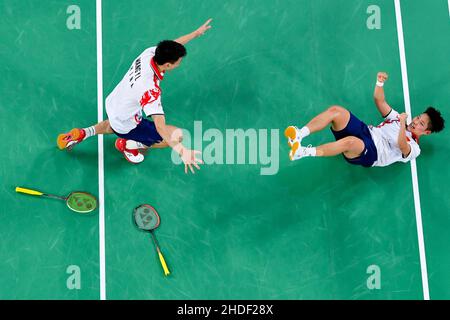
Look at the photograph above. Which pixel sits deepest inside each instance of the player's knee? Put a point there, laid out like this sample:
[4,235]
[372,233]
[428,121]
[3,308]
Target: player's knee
[350,143]
[335,109]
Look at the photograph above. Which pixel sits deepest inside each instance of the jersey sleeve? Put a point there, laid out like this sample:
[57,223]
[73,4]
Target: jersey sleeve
[392,115]
[415,151]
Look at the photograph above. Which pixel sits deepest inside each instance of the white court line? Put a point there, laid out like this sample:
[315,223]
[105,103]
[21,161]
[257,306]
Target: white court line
[449,7]
[423,261]
[101,187]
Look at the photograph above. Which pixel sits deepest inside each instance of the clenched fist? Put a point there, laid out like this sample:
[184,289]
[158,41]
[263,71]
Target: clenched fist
[382,76]
[403,117]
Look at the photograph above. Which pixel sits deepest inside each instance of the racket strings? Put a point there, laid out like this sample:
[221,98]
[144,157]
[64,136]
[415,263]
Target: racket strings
[81,202]
[146,218]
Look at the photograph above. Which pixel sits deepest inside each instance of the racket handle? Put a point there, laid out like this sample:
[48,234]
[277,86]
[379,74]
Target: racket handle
[29,191]
[163,263]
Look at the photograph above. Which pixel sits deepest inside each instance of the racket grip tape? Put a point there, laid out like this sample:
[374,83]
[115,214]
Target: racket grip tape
[29,191]
[163,263]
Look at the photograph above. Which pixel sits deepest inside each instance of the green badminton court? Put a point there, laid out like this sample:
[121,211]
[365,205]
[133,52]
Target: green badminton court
[311,229]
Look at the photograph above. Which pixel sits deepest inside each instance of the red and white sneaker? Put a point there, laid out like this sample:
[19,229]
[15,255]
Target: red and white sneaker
[70,139]
[131,144]
[132,155]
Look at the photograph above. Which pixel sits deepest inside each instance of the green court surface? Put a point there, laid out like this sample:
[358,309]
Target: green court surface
[312,230]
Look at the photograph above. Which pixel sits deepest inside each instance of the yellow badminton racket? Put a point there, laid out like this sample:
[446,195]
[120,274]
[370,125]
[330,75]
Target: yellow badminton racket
[146,218]
[79,201]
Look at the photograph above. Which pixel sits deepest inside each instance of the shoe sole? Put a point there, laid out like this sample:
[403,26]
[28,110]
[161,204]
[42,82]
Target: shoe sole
[294,149]
[126,158]
[62,143]
[291,134]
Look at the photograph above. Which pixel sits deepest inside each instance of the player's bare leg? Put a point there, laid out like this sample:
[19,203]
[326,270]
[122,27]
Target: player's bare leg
[337,116]
[103,128]
[351,147]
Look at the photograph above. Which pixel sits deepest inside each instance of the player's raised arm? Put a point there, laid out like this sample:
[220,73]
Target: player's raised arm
[402,142]
[194,34]
[188,156]
[378,95]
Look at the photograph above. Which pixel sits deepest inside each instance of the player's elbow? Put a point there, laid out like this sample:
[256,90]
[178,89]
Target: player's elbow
[406,153]
[160,123]
[404,148]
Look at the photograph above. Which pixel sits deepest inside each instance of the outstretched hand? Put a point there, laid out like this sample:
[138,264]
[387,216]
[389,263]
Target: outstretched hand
[189,160]
[203,28]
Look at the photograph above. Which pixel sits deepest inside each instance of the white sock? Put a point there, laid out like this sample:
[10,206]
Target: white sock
[310,151]
[89,132]
[304,132]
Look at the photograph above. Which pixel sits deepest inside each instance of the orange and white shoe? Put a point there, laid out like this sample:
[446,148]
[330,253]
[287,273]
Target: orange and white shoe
[132,155]
[294,149]
[70,139]
[292,133]
[301,152]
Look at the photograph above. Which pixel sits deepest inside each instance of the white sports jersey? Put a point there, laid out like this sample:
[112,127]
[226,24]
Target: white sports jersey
[138,91]
[385,137]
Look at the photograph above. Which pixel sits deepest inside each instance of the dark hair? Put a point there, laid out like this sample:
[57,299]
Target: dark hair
[169,51]
[436,121]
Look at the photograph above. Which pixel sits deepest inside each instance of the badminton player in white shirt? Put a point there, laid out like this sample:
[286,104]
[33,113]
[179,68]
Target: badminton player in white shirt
[138,96]
[391,141]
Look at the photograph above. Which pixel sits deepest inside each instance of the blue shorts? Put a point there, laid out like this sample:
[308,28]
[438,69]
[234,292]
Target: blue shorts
[145,133]
[359,129]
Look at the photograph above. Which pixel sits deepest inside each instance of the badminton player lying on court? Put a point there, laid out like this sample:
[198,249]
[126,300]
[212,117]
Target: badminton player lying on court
[391,141]
[137,93]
